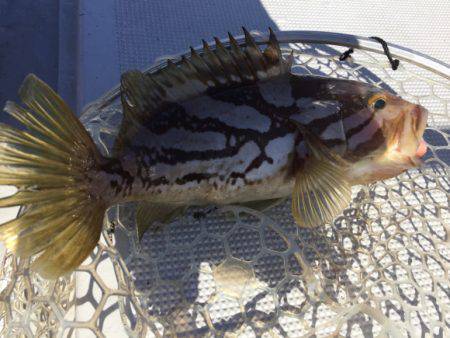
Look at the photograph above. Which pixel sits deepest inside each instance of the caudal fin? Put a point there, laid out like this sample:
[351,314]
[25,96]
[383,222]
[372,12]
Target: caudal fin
[49,162]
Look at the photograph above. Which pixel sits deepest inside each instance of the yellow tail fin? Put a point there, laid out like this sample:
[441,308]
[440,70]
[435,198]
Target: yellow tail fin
[49,162]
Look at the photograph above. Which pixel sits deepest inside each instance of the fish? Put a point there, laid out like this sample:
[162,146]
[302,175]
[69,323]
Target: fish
[233,124]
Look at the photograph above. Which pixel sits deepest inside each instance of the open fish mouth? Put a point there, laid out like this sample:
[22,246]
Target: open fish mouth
[421,115]
[421,149]
[417,160]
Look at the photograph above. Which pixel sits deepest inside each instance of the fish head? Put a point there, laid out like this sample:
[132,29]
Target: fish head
[384,133]
[403,125]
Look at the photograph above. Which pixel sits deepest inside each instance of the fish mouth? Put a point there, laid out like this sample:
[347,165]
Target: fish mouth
[417,160]
[421,149]
[414,147]
[420,115]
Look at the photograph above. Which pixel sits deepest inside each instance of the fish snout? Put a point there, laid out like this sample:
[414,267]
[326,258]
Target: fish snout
[420,116]
[411,146]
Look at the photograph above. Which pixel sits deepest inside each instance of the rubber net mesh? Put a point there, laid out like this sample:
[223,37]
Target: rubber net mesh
[380,269]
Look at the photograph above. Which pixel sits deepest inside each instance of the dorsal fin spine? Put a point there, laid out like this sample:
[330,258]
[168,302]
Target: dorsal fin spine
[240,60]
[214,64]
[254,54]
[210,69]
[174,73]
[203,69]
[162,90]
[273,55]
[227,62]
[190,72]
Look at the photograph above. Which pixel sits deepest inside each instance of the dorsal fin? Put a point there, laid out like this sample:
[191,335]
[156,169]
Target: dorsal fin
[211,69]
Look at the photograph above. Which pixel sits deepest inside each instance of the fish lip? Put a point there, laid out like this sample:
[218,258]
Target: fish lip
[421,115]
[416,161]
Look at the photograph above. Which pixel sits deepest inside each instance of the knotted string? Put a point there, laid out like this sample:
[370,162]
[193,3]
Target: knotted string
[394,62]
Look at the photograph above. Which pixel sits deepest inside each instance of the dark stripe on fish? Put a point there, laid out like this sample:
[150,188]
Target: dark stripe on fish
[370,145]
[258,161]
[353,131]
[194,177]
[252,97]
[319,125]
[198,177]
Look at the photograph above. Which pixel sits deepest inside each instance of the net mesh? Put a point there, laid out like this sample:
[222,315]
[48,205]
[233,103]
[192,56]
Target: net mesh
[381,268]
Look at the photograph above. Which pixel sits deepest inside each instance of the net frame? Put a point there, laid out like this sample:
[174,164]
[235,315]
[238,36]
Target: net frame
[348,278]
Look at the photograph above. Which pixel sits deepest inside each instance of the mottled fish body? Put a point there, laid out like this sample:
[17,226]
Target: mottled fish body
[237,145]
[229,125]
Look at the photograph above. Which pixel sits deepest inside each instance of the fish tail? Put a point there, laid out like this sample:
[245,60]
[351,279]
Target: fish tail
[50,161]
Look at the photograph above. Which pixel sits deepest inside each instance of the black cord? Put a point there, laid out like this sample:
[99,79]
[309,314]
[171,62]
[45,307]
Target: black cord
[394,62]
[346,54]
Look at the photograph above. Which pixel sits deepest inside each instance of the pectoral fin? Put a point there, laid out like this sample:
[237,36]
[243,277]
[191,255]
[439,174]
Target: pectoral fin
[321,190]
[153,215]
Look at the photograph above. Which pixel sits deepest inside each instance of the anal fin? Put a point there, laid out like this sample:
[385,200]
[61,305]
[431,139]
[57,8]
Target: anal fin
[154,215]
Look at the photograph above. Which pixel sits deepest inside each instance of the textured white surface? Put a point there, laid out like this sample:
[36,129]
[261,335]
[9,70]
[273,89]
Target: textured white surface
[420,25]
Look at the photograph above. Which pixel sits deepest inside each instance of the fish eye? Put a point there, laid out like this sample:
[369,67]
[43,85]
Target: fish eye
[377,102]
